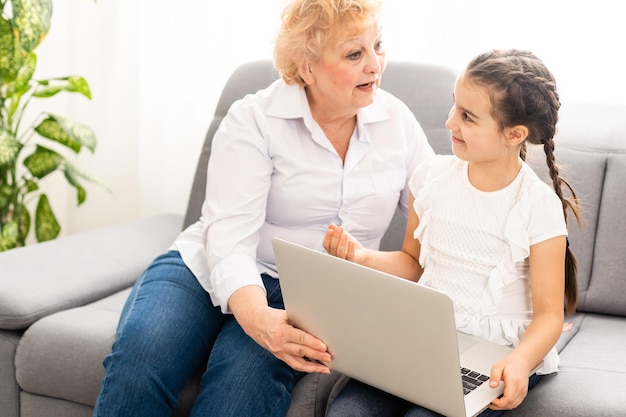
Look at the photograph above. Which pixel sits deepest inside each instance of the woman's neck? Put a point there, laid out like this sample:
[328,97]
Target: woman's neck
[338,126]
[338,132]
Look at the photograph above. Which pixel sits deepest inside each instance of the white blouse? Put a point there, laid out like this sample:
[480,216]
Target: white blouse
[475,245]
[273,173]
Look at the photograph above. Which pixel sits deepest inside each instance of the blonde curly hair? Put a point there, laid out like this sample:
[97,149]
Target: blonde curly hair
[308,25]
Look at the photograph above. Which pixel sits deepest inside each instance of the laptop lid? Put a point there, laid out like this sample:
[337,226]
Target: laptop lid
[385,331]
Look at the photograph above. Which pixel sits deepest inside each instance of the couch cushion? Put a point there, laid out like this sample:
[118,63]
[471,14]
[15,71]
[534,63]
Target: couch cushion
[38,280]
[9,390]
[60,356]
[38,406]
[312,393]
[591,378]
[598,345]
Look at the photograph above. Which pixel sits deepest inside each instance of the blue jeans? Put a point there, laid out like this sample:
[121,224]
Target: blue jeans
[167,331]
[357,399]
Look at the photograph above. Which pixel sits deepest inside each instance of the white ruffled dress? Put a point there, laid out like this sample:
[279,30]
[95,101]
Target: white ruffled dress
[475,246]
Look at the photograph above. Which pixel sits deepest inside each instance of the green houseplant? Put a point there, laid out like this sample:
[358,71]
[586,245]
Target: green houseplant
[27,153]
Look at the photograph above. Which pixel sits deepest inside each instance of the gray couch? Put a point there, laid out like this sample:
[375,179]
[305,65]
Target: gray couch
[60,300]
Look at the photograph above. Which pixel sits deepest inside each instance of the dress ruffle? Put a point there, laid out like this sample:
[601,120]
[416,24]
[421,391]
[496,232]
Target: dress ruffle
[504,331]
[432,174]
[517,249]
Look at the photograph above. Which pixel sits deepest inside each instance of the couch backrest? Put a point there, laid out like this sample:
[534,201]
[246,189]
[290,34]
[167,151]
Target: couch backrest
[591,152]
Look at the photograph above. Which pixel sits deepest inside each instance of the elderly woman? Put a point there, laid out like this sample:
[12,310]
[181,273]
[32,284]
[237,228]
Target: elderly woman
[320,145]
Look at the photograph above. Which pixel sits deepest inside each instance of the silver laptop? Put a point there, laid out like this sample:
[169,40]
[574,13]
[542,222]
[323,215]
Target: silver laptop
[387,332]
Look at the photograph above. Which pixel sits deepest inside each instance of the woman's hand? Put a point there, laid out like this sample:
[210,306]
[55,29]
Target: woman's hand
[341,244]
[270,328]
[515,376]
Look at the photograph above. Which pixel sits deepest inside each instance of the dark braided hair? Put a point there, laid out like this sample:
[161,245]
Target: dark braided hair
[523,92]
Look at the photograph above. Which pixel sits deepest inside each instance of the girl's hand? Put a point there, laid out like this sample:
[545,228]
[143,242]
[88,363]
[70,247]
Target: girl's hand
[341,244]
[515,376]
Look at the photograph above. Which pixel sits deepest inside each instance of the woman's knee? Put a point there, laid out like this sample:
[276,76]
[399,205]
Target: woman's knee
[168,321]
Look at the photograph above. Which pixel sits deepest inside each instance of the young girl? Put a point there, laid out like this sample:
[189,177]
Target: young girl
[485,229]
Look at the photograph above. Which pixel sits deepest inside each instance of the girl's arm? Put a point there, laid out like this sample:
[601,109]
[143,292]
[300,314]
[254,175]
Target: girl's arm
[547,284]
[403,263]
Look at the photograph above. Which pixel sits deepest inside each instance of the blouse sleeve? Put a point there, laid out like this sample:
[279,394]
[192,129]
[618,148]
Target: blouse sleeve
[238,180]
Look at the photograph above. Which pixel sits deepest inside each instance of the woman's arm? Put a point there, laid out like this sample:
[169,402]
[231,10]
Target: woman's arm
[547,282]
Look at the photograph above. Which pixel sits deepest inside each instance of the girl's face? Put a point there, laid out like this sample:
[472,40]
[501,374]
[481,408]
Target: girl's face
[476,135]
[347,75]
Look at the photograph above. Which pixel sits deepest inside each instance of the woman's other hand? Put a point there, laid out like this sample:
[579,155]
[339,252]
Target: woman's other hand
[270,328]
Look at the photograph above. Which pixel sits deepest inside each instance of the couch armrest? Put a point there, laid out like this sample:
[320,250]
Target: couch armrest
[40,279]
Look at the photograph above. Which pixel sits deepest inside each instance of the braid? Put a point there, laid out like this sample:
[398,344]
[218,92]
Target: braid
[571,263]
[523,92]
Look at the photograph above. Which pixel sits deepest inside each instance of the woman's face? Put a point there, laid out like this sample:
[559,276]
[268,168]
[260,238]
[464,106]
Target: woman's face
[347,75]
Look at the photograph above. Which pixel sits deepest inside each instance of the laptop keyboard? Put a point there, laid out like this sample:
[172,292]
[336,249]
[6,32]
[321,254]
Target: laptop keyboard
[471,380]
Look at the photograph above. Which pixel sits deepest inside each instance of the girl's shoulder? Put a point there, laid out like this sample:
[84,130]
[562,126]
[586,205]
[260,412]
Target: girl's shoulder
[437,165]
[434,169]
[539,210]
[535,186]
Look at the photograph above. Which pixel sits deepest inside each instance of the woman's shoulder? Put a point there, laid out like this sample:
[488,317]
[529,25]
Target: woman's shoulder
[279,99]
[266,94]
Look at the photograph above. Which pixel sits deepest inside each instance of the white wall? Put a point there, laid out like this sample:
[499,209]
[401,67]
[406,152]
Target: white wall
[156,69]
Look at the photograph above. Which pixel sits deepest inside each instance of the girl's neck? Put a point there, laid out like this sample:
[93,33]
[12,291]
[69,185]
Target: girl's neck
[493,176]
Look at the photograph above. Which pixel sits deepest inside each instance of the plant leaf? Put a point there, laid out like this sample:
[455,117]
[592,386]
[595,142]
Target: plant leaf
[9,148]
[32,21]
[15,228]
[11,57]
[72,84]
[30,185]
[25,74]
[23,220]
[8,237]
[5,195]
[46,225]
[67,132]
[43,161]
[50,128]
[78,132]
[73,174]
[80,85]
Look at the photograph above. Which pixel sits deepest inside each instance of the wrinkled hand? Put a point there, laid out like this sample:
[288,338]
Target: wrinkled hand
[270,328]
[515,377]
[341,244]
